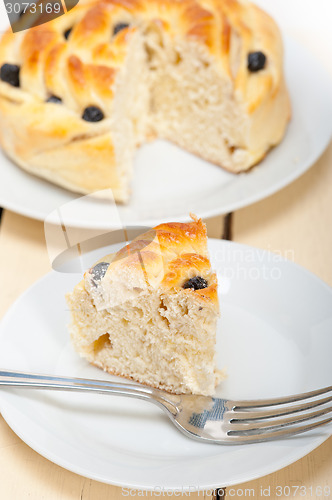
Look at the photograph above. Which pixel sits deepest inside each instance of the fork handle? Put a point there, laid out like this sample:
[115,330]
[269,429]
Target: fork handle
[36,381]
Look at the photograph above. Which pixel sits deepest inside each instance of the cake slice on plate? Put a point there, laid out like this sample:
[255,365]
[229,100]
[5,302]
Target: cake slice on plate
[149,312]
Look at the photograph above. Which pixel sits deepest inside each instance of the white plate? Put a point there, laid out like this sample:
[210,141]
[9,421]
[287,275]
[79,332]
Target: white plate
[274,337]
[169,182]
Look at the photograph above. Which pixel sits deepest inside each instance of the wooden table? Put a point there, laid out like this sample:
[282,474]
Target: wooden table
[296,221]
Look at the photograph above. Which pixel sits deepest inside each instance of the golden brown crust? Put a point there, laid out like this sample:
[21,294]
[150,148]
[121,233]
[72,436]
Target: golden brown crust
[209,22]
[172,254]
[83,71]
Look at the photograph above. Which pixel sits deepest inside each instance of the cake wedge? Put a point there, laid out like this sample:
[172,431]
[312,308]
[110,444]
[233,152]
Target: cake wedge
[149,312]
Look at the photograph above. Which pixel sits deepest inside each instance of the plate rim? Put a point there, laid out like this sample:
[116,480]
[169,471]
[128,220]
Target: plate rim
[297,453]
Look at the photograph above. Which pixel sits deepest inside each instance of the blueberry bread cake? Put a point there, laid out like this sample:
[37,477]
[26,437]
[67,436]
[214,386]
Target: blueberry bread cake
[149,312]
[80,93]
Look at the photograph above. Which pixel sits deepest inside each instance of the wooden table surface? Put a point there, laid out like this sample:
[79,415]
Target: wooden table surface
[296,222]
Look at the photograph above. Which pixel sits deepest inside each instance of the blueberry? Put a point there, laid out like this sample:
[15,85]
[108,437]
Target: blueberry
[98,272]
[67,33]
[55,99]
[92,114]
[120,26]
[256,61]
[10,73]
[197,283]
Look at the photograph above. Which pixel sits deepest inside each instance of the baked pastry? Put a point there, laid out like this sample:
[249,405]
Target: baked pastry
[80,93]
[149,312]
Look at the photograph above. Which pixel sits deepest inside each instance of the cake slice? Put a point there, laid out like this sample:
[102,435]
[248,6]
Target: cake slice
[149,312]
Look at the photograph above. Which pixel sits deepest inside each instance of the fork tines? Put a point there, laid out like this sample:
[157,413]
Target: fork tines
[262,420]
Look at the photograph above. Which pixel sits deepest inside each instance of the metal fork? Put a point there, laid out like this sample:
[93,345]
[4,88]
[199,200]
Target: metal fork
[205,418]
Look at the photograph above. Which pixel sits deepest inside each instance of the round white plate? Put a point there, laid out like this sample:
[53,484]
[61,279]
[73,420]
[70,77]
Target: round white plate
[169,182]
[274,338]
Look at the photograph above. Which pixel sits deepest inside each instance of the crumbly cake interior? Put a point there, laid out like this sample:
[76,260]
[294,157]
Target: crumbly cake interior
[193,107]
[180,96]
[165,341]
[130,109]
[174,93]
[151,316]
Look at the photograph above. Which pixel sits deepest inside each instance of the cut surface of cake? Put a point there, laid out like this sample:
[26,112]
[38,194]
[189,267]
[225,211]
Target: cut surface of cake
[80,94]
[149,312]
